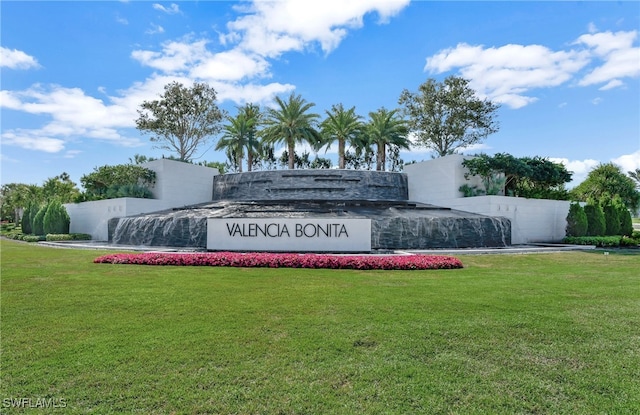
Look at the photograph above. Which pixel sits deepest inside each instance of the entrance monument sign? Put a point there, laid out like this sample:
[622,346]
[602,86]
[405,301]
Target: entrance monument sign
[289,234]
[311,211]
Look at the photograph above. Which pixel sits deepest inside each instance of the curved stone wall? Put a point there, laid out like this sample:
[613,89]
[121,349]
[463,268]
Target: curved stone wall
[321,184]
[393,225]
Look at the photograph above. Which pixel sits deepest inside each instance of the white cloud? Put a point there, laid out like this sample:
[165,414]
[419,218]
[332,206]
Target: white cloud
[621,59]
[615,83]
[16,59]
[506,73]
[155,29]
[596,101]
[32,140]
[173,9]
[175,56]
[193,58]
[579,168]
[272,28]
[253,93]
[69,154]
[73,114]
[231,73]
[628,162]
[265,30]
[231,65]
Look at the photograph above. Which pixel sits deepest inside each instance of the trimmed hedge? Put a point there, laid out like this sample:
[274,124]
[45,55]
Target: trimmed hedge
[56,218]
[576,221]
[278,260]
[53,237]
[602,241]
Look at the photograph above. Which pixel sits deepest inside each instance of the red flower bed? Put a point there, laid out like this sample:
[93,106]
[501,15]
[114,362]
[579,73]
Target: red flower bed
[271,260]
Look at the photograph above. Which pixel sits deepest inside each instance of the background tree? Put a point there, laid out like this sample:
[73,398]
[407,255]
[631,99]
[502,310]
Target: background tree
[38,221]
[626,223]
[362,158]
[60,187]
[253,143]
[26,225]
[635,176]
[121,180]
[611,218]
[576,221]
[15,197]
[343,126]
[56,219]
[291,123]
[533,177]
[182,120]
[606,181]
[595,219]
[448,116]
[240,133]
[386,128]
[544,179]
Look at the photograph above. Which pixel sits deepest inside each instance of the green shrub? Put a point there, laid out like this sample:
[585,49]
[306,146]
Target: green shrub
[470,191]
[576,221]
[626,223]
[38,221]
[128,190]
[32,216]
[595,220]
[611,220]
[56,219]
[627,241]
[31,238]
[54,237]
[599,241]
[26,219]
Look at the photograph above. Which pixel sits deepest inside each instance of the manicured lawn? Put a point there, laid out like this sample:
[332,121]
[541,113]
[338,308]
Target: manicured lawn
[508,334]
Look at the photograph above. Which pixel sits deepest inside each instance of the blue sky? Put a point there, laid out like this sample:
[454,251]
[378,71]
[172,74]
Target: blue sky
[567,74]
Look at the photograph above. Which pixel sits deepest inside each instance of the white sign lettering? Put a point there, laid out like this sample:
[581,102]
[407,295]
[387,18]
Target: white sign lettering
[289,234]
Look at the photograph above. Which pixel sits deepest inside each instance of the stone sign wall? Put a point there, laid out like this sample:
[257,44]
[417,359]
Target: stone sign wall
[289,234]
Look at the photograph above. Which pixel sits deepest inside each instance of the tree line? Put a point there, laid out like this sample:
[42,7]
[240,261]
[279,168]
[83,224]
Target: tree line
[442,116]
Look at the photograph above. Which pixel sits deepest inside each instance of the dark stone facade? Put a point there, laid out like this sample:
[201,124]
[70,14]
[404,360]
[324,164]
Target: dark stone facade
[396,223]
[393,225]
[311,185]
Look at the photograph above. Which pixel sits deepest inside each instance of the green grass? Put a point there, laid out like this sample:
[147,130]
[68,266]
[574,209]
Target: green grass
[508,334]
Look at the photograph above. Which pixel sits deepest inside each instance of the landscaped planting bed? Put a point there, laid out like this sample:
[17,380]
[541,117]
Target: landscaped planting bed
[286,260]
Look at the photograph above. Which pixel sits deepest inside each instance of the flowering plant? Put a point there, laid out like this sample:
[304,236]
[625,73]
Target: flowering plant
[286,260]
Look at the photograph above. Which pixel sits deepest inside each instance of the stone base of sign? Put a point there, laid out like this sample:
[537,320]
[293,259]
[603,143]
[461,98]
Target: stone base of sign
[394,224]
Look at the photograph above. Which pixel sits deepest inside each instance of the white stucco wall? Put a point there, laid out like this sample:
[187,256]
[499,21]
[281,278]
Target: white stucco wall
[437,182]
[180,184]
[93,217]
[177,184]
[438,179]
[532,220]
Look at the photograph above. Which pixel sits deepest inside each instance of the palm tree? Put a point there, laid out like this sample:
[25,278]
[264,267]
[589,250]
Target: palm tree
[343,126]
[252,144]
[635,175]
[386,128]
[234,137]
[291,124]
[239,133]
